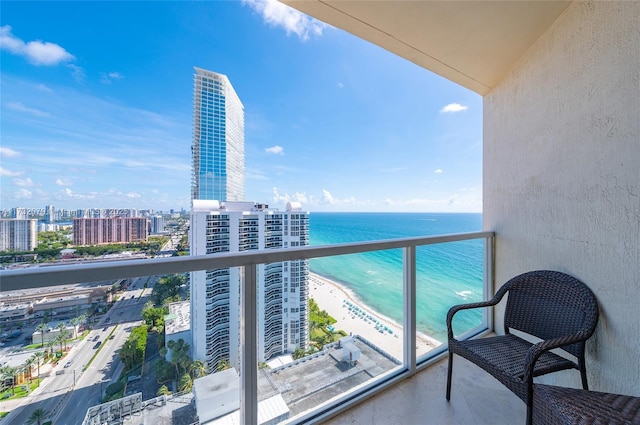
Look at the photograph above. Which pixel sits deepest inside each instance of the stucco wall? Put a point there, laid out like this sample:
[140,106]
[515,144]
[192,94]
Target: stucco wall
[562,174]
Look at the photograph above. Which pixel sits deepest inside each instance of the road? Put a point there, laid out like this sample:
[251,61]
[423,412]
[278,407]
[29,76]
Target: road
[68,402]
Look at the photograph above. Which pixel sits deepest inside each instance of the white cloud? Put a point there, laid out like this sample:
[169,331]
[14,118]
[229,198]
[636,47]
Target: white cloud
[23,194]
[454,107]
[276,150]
[5,172]
[340,85]
[23,182]
[296,197]
[37,52]
[17,106]
[8,152]
[438,171]
[77,72]
[108,77]
[327,198]
[64,181]
[44,88]
[278,14]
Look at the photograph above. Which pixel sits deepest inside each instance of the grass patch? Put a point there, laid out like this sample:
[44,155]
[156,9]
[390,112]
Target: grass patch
[20,391]
[3,414]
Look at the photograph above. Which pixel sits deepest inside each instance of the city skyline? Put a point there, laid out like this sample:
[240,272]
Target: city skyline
[93,117]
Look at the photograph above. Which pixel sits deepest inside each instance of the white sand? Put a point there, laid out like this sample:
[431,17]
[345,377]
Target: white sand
[332,297]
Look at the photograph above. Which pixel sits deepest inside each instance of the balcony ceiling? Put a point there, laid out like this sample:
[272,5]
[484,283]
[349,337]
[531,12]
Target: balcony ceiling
[473,43]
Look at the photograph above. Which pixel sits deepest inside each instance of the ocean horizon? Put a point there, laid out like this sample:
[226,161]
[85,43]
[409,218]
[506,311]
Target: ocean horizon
[447,274]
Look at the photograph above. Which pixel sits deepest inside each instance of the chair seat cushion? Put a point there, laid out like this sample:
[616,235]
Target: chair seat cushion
[558,405]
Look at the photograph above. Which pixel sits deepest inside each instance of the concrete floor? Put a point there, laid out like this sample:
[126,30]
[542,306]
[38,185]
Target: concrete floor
[476,398]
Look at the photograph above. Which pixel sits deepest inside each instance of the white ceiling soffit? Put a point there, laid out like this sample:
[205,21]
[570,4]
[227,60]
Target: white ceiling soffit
[473,43]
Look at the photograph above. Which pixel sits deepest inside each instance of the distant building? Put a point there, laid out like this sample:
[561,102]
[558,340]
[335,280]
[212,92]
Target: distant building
[97,231]
[157,224]
[48,227]
[19,213]
[282,287]
[49,214]
[18,234]
[218,139]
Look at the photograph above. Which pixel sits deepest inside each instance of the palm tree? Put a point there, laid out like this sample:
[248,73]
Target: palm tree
[37,416]
[42,327]
[38,355]
[197,369]
[223,364]
[50,345]
[61,328]
[59,340]
[29,365]
[77,321]
[186,383]
[10,372]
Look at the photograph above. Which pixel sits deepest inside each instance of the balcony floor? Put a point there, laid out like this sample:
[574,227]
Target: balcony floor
[476,398]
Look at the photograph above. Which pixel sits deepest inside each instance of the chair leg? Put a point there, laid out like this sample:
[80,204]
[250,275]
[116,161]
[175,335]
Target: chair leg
[450,367]
[583,372]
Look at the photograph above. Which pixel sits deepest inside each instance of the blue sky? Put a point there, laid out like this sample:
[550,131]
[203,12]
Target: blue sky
[96,102]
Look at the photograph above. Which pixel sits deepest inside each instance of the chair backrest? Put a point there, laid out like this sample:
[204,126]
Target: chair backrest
[550,304]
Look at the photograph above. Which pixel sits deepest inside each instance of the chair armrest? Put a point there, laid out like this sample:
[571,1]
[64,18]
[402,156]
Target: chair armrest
[541,347]
[456,308]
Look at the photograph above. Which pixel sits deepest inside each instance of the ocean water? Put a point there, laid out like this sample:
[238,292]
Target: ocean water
[447,274]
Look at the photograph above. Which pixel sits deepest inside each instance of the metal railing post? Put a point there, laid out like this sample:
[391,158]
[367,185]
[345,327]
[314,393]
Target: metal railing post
[409,337]
[248,346]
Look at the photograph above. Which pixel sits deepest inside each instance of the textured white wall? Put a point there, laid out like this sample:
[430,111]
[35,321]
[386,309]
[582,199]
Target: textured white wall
[562,174]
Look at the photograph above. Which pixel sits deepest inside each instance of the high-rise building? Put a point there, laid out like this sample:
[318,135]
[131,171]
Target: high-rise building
[19,213]
[49,214]
[18,234]
[218,139]
[282,287]
[157,224]
[97,231]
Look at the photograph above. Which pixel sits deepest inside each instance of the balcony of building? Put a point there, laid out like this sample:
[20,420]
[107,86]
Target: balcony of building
[560,184]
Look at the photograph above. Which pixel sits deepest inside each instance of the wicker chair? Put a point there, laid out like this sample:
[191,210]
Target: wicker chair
[548,305]
[570,406]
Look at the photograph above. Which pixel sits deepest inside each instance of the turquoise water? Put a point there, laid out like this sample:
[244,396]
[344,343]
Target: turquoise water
[447,274]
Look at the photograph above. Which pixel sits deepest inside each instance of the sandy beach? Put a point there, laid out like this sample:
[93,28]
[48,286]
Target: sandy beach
[336,300]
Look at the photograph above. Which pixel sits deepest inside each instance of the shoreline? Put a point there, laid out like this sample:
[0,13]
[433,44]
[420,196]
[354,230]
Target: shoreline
[336,299]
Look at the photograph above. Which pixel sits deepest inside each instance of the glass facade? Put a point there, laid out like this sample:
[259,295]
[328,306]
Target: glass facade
[218,139]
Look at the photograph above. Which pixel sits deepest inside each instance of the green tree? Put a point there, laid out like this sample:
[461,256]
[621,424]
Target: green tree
[186,383]
[37,356]
[37,416]
[8,372]
[197,369]
[298,353]
[29,366]
[223,364]
[42,327]
[163,390]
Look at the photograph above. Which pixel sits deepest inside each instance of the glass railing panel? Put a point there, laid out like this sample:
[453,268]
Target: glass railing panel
[447,274]
[354,328]
[362,292]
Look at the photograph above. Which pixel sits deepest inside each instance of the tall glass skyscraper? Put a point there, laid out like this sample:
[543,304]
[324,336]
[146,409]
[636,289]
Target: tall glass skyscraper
[218,139]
